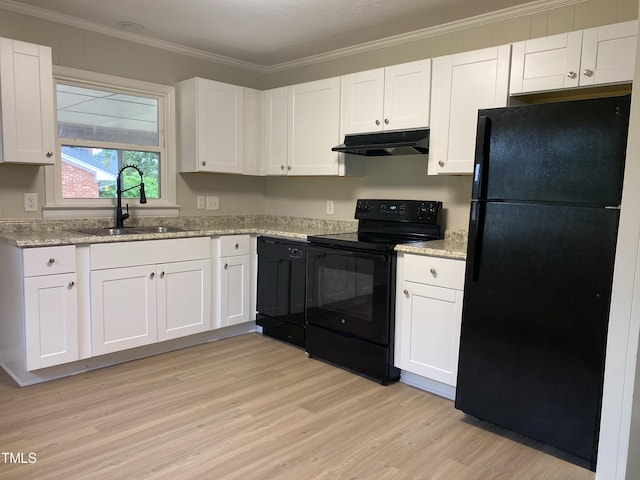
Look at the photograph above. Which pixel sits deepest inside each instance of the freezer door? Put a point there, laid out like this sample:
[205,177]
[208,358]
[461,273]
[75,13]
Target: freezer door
[557,152]
[535,317]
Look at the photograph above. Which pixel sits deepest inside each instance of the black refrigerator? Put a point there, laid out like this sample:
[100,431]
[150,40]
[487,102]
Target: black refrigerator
[547,186]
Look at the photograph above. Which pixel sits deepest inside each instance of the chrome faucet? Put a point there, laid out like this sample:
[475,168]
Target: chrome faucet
[121,217]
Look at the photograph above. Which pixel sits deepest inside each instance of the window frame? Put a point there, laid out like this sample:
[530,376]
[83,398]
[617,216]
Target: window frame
[57,206]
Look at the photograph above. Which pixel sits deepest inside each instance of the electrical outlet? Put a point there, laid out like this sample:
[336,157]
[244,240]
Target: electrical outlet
[30,202]
[330,207]
[212,203]
[200,202]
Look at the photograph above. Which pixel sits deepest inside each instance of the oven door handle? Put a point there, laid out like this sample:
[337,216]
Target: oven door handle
[324,251]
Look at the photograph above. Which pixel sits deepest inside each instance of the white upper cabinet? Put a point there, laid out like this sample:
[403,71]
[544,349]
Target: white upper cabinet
[390,98]
[210,126]
[462,84]
[253,132]
[597,56]
[314,127]
[276,131]
[26,100]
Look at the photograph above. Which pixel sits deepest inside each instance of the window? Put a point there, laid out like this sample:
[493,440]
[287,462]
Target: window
[105,123]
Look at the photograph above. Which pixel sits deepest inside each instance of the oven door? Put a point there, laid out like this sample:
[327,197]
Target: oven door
[349,292]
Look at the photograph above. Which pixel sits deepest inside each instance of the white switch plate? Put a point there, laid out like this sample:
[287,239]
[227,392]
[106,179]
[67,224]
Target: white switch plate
[330,207]
[30,202]
[212,203]
[200,202]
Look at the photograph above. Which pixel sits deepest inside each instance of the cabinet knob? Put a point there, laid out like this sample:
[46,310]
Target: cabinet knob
[152,275]
[572,75]
[204,163]
[49,154]
[433,272]
[406,292]
[237,245]
[288,167]
[386,121]
[281,167]
[72,284]
[161,274]
[226,265]
[587,72]
[51,261]
[441,163]
[378,122]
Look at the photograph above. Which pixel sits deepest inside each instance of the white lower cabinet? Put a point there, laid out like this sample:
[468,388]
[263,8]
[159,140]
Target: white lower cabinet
[234,279]
[135,300]
[428,316]
[50,306]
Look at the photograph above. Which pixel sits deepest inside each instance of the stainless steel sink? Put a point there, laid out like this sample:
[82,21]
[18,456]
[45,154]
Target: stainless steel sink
[113,231]
[159,229]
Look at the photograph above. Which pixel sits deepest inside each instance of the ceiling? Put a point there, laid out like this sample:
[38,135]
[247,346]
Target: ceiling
[263,33]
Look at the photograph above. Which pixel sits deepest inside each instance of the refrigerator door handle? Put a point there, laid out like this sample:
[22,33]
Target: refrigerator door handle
[474,241]
[479,168]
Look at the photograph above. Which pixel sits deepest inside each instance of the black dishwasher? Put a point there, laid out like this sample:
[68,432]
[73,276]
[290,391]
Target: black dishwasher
[281,288]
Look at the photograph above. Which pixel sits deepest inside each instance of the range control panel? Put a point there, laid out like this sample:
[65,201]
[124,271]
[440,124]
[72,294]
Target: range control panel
[423,211]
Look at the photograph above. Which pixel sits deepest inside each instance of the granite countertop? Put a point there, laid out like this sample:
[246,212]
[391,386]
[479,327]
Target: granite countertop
[42,233]
[454,246]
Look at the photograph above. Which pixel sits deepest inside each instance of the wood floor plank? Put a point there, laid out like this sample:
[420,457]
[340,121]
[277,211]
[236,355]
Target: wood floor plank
[251,407]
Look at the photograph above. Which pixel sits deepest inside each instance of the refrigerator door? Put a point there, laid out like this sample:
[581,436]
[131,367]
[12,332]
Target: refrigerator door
[556,152]
[535,317]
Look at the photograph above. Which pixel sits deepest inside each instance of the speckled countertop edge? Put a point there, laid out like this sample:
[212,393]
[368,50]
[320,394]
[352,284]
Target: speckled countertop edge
[42,233]
[454,246]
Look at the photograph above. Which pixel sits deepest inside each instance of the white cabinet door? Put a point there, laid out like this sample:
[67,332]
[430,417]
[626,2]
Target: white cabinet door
[462,84]
[547,63]
[596,56]
[391,98]
[430,331]
[210,126]
[362,102]
[314,127]
[608,54]
[123,308]
[406,95]
[276,131]
[252,132]
[183,298]
[26,100]
[51,320]
[235,284]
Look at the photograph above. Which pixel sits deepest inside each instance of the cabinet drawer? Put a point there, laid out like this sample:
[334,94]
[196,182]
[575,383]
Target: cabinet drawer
[441,272]
[49,260]
[231,245]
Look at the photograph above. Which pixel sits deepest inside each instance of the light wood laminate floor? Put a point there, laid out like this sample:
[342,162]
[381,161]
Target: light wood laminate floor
[250,408]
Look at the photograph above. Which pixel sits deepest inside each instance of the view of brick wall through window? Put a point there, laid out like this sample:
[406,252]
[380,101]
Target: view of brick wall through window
[78,183]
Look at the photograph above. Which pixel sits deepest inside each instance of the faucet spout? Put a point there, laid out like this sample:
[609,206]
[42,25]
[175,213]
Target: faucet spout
[120,215]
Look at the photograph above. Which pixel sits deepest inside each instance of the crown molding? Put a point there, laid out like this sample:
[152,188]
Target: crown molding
[471,22]
[534,7]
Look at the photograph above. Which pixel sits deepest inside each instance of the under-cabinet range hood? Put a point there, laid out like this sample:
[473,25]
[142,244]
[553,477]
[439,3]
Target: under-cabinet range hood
[395,142]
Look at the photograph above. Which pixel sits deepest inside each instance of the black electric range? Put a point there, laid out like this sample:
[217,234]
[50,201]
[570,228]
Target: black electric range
[350,304]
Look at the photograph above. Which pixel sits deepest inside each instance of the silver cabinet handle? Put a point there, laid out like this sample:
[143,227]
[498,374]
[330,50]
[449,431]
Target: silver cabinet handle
[378,122]
[237,245]
[49,154]
[587,72]
[386,121]
[441,163]
[161,274]
[226,265]
[433,272]
[572,75]
[51,261]
[204,163]
[406,292]
[288,167]
[72,284]
[152,276]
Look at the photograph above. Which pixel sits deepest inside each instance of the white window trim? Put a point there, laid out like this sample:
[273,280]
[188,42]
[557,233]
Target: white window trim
[58,207]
